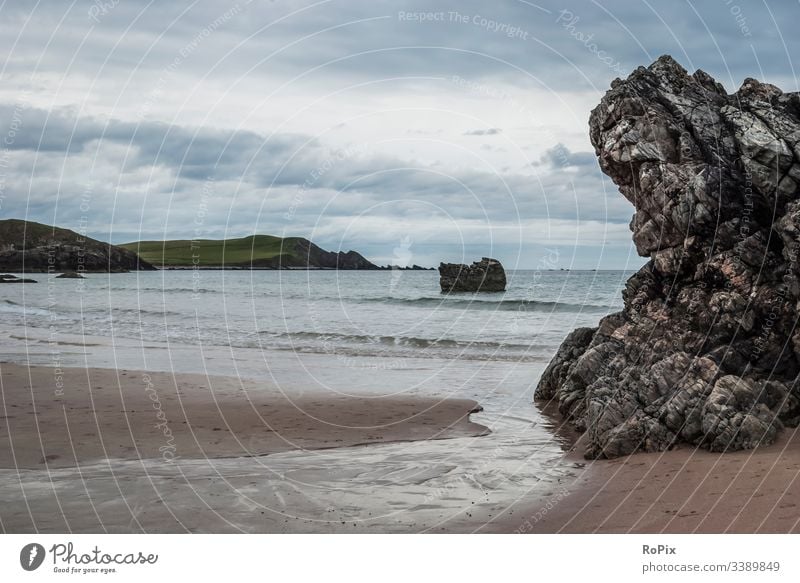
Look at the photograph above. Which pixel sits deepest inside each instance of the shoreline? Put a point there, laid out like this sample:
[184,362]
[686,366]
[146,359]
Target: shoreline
[223,427]
[680,491]
[94,460]
[68,417]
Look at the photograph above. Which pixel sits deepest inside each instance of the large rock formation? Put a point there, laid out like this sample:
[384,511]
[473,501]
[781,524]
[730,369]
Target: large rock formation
[706,350]
[486,275]
[31,247]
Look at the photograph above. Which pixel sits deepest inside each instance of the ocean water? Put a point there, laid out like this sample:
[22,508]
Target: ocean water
[370,334]
[388,314]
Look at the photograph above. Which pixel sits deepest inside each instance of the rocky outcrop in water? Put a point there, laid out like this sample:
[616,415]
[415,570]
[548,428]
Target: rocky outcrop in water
[706,350]
[486,275]
[70,275]
[9,278]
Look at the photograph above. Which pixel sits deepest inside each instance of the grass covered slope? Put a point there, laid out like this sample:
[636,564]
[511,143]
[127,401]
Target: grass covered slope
[208,251]
[264,251]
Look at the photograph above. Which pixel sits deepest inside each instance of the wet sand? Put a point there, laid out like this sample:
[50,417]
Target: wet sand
[681,491]
[86,450]
[53,418]
[93,460]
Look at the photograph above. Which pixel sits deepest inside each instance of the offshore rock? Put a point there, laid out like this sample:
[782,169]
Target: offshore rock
[70,275]
[486,275]
[706,350]
[9,278]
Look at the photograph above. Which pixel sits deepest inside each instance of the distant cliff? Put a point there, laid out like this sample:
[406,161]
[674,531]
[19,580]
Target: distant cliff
[255,251]
[31,247]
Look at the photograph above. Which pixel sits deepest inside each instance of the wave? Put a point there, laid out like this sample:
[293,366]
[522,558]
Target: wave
[134,312]
[483,304]
[13,307]
[180,290]
[406,341]
[463,302]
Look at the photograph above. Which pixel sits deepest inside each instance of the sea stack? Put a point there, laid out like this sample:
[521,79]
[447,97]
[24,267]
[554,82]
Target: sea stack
[486,275]
[706,350]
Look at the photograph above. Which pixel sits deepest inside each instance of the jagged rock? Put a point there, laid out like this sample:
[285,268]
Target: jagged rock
[9,278]
[486,275]
[70,275]
[706,350]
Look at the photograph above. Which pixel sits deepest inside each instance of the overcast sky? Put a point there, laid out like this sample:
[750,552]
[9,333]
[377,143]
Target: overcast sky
[409,131]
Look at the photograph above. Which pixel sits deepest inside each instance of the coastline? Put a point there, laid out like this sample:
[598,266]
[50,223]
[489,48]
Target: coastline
[236,442]
[419,467]
[679,491]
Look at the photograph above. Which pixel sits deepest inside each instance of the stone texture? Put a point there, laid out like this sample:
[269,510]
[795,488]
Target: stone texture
[486,275]
[706,350]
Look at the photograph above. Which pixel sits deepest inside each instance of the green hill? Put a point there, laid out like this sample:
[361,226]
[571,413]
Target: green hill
[26,246]
[263,251]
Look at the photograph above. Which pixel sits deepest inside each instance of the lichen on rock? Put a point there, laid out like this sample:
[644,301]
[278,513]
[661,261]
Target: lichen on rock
[706,350]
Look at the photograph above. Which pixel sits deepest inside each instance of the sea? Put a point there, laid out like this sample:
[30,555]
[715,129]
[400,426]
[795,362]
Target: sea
[389,314]
[367,333]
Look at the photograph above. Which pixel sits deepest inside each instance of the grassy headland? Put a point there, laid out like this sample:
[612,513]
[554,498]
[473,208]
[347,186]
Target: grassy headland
[264,251]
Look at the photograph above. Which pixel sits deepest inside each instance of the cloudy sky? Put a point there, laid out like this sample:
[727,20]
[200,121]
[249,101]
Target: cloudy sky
[451,129]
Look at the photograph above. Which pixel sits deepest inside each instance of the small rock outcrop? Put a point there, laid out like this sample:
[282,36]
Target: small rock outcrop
[70,275]
[9,278]
[707,349]
[486,275]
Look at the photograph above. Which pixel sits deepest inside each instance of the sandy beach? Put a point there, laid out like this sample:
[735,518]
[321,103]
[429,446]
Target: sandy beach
[263,441]
[56,418]
[680,491]
[92,450]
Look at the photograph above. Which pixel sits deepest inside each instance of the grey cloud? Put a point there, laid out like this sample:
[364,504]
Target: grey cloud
[486,132]
[278,160]
[559,156]
[370,40]
[147,176]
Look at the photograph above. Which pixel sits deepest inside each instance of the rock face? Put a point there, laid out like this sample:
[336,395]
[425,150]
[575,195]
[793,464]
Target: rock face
[31,247]
[314,256]
[706,350]
[486,275]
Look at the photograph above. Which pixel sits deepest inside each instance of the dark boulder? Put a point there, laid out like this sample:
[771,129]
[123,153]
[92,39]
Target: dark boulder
[9,278]
[486,275]
[70,275]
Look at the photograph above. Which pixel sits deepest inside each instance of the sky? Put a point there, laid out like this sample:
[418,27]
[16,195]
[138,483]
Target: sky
[412,132]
